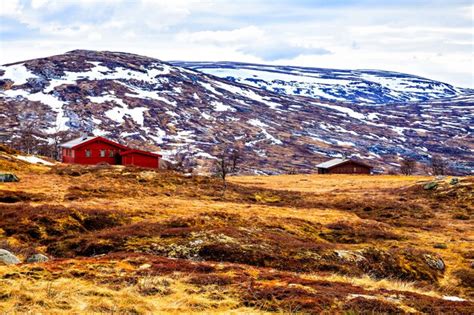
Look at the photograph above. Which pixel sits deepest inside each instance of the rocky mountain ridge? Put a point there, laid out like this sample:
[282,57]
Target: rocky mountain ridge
[367,87]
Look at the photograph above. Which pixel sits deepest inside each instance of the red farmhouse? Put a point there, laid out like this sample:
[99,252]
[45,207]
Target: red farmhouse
[94,150]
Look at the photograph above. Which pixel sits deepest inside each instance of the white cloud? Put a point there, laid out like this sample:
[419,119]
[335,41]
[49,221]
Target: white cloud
[238,36]
[36,4]
[94,36]
[252,40]
[430,39]
[10,8]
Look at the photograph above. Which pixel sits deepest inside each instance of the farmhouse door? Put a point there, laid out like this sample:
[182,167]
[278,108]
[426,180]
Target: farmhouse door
[118,159]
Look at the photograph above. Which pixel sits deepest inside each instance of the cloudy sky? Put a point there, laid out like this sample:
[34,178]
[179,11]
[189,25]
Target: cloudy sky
[434,38]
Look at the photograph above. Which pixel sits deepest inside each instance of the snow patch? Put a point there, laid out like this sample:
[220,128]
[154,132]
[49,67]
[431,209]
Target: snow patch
[453,298]
[19,74]
[261,125]
[117,113]
[205,155]
[206,116]
[348,111]
[33,160]
[257,123]
[219,107]
[100,72]
[47,99]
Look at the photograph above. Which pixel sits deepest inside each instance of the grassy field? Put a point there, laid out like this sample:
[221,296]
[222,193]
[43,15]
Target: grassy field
[134,241]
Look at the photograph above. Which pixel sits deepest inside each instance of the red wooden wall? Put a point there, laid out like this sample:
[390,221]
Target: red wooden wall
[78,155]
[139,159]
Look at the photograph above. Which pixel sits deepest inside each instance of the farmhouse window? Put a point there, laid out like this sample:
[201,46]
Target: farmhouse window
[111,153]
[72,153]
[88,153]
[102,153]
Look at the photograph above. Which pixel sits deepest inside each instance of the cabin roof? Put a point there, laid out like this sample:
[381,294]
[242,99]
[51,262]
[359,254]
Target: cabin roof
[339,161]
[75,142]
[86,139]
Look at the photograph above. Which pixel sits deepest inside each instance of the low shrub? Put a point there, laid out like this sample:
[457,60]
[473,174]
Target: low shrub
[466,277]
[8,196]
[286,299]
[48,223]
[365,306]
[404,264]
[461,216]
[345,232]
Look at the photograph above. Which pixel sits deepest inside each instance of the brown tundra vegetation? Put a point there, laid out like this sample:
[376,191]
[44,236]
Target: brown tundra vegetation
[128,240]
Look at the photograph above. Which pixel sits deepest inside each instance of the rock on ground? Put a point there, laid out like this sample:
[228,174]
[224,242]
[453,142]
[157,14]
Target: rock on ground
[8,258]
[37,258]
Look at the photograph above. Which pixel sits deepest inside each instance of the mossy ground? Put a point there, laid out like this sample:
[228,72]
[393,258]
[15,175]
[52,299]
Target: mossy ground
[134,241]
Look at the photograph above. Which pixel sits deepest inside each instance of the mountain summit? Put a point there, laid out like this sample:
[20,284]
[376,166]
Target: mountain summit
[128,97]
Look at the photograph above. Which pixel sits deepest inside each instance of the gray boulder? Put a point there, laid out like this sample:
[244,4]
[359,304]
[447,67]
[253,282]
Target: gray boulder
[8,178]
[37,258]
[8,258]
[434,262]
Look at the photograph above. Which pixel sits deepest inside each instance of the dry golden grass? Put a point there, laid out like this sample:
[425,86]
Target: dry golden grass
[321,184]
[458,235]
[291,223]
[151,294]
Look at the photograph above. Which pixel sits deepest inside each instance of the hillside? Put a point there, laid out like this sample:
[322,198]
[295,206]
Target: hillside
[138,99]
[127,240]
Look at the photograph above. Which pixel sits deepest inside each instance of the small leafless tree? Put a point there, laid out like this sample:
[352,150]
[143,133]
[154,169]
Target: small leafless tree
[55,141]
[438,165]
[27,141]
[227,162]
[235,157]
[56,138]
[408,166]
[222,168]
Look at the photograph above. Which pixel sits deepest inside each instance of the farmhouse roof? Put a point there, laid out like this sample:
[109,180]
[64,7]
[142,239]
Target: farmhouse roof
[338,161]
[85,139]
[74,142]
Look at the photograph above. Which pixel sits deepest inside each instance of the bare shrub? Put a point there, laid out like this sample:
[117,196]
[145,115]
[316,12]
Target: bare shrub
[438,165]
[408,166]
[228,158]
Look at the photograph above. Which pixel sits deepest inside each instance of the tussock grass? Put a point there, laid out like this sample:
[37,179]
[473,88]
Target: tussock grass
[149,295]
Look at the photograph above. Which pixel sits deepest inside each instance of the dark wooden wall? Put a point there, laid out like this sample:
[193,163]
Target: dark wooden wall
[349,168]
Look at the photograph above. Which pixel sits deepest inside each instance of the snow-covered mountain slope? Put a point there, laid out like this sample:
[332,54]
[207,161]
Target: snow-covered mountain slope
[355,86]
[141,100]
